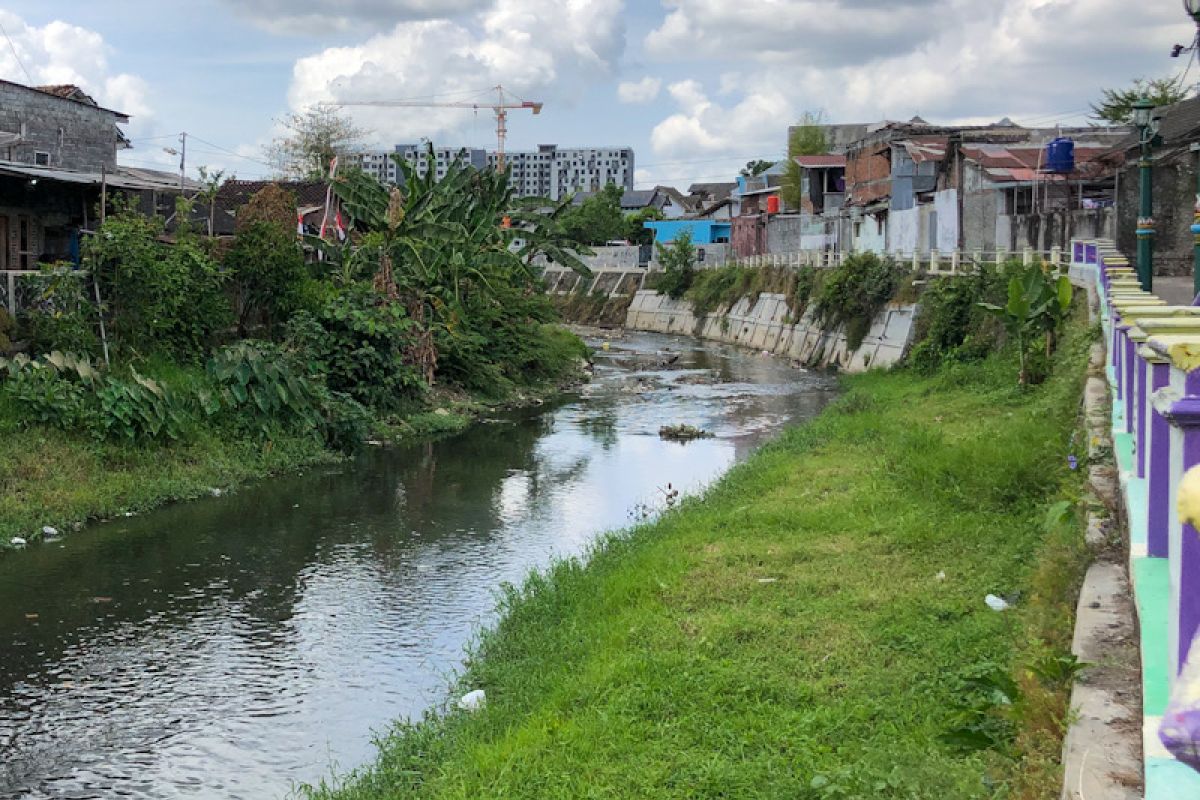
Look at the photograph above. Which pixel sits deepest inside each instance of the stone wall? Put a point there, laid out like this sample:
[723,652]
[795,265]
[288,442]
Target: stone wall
[1174,195]
[764,323]
[74,134]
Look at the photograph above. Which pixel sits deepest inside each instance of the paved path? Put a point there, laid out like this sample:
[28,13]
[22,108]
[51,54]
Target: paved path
[1177,291]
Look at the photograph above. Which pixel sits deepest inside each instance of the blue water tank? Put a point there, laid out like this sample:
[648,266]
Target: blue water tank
[1060,155]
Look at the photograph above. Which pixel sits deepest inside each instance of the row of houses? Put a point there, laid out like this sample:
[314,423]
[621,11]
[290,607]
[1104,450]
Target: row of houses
[917,188]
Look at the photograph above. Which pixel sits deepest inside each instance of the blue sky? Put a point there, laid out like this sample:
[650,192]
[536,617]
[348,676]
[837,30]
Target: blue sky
[696,87]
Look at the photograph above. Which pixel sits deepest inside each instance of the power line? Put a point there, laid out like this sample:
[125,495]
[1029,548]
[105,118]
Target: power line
[16,55]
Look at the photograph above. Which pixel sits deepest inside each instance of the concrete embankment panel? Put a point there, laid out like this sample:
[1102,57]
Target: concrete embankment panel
[765,323]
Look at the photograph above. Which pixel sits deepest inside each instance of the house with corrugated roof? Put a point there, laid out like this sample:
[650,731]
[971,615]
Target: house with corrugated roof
[58,155]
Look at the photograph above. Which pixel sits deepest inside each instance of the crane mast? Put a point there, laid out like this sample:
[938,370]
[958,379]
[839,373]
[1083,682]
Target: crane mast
[501,108]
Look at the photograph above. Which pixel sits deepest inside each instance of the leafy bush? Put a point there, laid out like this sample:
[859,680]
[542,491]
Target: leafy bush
[360,345]
[267,275]
[61,316]
[258,384]
[138,410]
[951,326]
[65,391]
[855,291]
[678,262]
[160,297]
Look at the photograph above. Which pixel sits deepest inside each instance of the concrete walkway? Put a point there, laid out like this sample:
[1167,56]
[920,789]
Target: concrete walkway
[1177,291]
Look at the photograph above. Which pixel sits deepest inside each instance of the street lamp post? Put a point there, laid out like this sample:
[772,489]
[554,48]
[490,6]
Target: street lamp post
[1192,7]
[1142,111]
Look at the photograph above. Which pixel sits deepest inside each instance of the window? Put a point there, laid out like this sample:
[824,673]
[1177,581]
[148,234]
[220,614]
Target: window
[42,159]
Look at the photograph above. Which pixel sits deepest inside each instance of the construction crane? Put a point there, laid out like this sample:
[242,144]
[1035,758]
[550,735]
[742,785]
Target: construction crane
[500,107]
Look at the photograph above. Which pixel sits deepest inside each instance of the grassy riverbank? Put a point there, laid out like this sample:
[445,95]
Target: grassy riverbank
[814,627]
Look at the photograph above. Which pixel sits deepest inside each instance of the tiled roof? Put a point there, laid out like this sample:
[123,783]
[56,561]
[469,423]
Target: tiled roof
[822,160]
[926,148]
[67,91]
[308,193]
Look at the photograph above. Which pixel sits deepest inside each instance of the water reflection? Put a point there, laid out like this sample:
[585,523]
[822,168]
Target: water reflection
[232,646]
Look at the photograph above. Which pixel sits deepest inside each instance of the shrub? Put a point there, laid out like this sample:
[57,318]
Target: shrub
[856,291]
[359,345]
[678,262]
[63,390]
[951,326]
[261,388]
[267,275]
[160,297]
[8,329]
[60,315]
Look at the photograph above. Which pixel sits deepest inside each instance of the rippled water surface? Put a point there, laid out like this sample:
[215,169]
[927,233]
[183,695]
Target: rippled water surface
[233,646]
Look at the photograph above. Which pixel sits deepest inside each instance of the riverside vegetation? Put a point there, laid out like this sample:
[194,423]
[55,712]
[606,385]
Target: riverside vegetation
[234,360]
[815,625]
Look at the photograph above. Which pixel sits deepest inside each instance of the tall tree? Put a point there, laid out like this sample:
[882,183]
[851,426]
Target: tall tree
[597,219]
[1116,105]
[314,136]
[805,138]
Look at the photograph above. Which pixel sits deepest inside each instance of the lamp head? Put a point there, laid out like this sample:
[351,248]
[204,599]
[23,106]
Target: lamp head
[1144,108]
[1192,7]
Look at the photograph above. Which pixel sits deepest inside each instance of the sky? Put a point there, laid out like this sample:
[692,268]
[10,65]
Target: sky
[696,87]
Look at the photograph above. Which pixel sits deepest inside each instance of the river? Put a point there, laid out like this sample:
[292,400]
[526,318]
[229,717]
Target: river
[233,646]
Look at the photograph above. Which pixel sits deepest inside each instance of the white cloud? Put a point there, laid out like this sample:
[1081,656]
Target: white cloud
[1038,61]
[59,52]
[639,92]
[314,17]
[546,50]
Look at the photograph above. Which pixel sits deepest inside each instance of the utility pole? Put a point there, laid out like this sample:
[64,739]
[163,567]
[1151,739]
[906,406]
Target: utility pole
[182,158]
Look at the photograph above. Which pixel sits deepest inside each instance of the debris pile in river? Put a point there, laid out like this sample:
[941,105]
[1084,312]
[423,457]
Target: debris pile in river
[682,433]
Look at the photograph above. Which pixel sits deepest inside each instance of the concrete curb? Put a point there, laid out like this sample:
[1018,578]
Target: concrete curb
[1102,751]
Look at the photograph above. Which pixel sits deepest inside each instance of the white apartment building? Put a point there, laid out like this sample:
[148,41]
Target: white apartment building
[549,171]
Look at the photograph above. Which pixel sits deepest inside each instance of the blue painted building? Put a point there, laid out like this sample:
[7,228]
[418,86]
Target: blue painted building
[704,231]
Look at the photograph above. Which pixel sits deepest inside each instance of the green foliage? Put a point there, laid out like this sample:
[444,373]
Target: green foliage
[806,138]
[159,297]
[721,287]
[598,219]
[951,326]
[267,275]
[61,315]
[1037,302]
[443,254]
[855,291]
[636,231]
[756,166]
[360,347]
[678,261]
[258,385]
[65,391]
[1116,105]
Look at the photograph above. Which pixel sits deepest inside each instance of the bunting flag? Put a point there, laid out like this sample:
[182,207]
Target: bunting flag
[299,224]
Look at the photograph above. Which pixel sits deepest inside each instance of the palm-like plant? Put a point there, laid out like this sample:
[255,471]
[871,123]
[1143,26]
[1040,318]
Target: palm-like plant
[438,244]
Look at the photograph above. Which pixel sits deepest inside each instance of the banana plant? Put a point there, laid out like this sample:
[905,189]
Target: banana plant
[1036,304]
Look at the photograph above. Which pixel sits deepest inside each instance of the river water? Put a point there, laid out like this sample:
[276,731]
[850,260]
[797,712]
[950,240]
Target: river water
[231,647]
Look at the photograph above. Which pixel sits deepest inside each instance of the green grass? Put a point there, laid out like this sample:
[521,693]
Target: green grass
[48,477]
[785,636]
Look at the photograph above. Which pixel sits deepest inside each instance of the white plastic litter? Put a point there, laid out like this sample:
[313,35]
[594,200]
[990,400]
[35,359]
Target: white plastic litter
[49,531]
[941,576]
[473,700]
[17,541]
[995,603]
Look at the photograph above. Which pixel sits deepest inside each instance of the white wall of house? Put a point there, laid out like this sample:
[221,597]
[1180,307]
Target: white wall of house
[904,228]
[870,233]
[945,204]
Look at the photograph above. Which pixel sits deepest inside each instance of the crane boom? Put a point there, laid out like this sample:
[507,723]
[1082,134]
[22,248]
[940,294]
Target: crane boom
[501,108]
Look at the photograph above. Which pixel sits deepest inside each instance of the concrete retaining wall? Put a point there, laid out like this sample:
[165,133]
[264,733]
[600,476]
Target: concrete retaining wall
[765,324]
